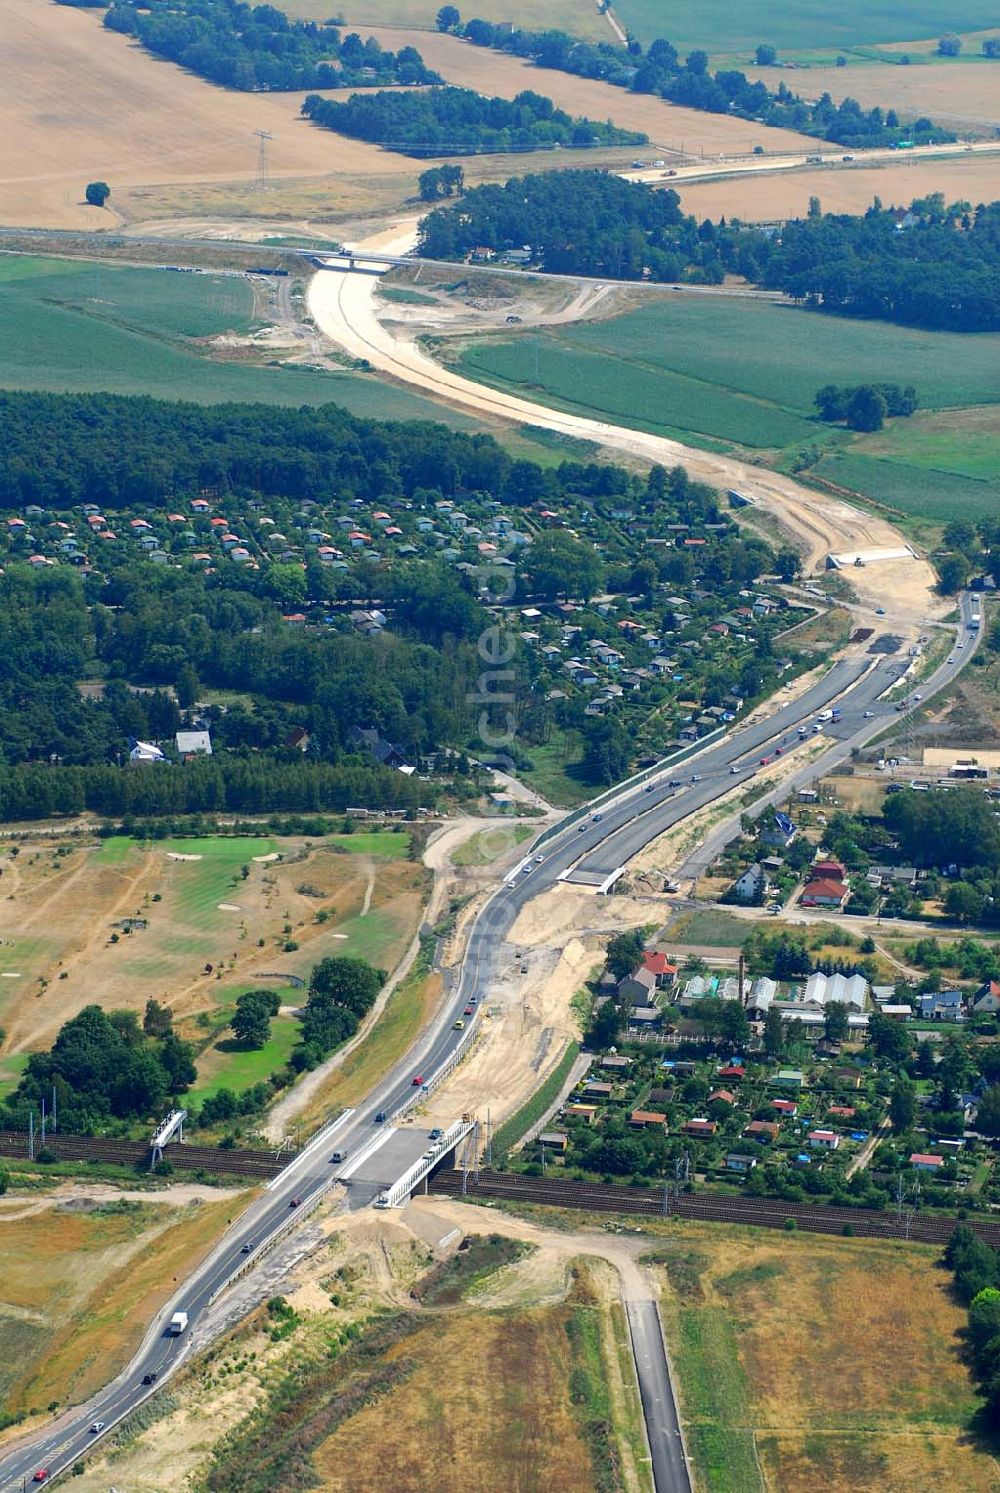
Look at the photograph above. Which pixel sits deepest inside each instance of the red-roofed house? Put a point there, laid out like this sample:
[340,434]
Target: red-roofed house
[725,1095]
[921,1162]
[842,1111]
[733,1073]
[762,1130]
[833,870]
[700,1127]
[824,1140]
[660,967]
[824,892]
[785,1107]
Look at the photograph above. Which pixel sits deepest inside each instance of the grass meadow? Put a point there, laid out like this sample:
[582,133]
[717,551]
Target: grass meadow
[69,327]
[727,374]
[722,28]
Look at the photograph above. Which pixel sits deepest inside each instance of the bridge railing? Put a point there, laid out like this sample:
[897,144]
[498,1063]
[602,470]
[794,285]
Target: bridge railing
[392,1196]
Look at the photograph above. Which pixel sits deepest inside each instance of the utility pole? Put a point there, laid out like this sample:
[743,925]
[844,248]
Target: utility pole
[31,1135]
[55,1111]
[263,137]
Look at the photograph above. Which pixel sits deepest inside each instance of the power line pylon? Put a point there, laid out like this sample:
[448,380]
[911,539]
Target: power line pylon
[263,137]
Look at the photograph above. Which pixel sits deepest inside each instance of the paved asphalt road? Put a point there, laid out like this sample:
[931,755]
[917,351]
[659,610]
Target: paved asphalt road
[659,1407]
[626,823]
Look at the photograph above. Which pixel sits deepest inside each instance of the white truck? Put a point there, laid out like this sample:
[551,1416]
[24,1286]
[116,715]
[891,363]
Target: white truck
[178,1323]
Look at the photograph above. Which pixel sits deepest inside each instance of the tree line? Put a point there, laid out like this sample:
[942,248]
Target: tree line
[258,49]
[933,265]
[659,69]
[457,121]
[937,266]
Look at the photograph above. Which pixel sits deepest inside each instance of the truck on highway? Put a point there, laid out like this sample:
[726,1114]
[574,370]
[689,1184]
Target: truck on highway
[178,1323]
[835,713]
[825,715]
[975,614]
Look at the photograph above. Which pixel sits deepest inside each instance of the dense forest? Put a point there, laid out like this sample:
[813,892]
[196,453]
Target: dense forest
[258,49]
[583,223]
[935,265]
[457,121]
[660,70]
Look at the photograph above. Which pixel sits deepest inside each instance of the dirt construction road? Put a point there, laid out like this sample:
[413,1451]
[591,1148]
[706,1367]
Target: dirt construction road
[344,308]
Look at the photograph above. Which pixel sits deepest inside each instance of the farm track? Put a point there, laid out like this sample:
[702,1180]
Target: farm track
[761,1212]
[182,1157]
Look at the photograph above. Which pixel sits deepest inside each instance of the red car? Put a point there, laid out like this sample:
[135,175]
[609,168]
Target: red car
[41,1476]
[418,1081]
[467,1011]
[778,752]
[764,761]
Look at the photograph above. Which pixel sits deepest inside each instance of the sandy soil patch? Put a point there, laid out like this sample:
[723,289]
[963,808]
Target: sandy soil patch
[524,1031]
[79,103]
[770,196]
[669,127]
[175,855]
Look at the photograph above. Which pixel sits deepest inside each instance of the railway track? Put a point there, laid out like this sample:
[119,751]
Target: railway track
[766,1213]
[133,1154]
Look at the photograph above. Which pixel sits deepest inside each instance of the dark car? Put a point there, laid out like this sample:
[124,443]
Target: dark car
[380,1117]
[246,1248]
[295,1203]
[150,1378]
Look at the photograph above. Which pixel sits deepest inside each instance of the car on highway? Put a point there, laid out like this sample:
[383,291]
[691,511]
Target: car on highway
[880,611]
[418,1081]
[764,761]
[528,870]
[295,1203]
[459,1025]
[468,1010]
[598,818]
[869,715]
[779,752]
[733,771]
[696,777]
[674,783]
[648,788]
[952,659]
[539,859]
[246,1248]
[916,698]
[96,1427]
[380,1117]
[435,1134]
[151,1377]
[959,645]
[580,828]
[41,1476]
[472,998]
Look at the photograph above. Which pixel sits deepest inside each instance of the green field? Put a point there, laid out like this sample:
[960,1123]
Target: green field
[720,27]
[75,328]
[225,1065]
[727,374]
[201,885]
[11,1068]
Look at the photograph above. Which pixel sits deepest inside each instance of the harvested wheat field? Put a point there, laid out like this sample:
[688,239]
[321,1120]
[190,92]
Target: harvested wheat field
[819,1365]
[79,103]
[196,931]
[767,196]
[963,92]
[669,127]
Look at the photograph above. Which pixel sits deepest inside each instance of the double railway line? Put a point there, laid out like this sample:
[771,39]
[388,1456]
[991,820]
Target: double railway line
[768,1213]
[134,1154]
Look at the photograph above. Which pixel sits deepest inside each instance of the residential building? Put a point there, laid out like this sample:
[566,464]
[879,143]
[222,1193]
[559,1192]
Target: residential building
[823,891]
[788,1078]
[921,1162]
[642,1119]
[752,886]
[639,988]
[700,1126]
[736,1162]
[194,744]
[763,1131]
[986,1001]
[942,1005]
[554,1140]
[824,1140]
